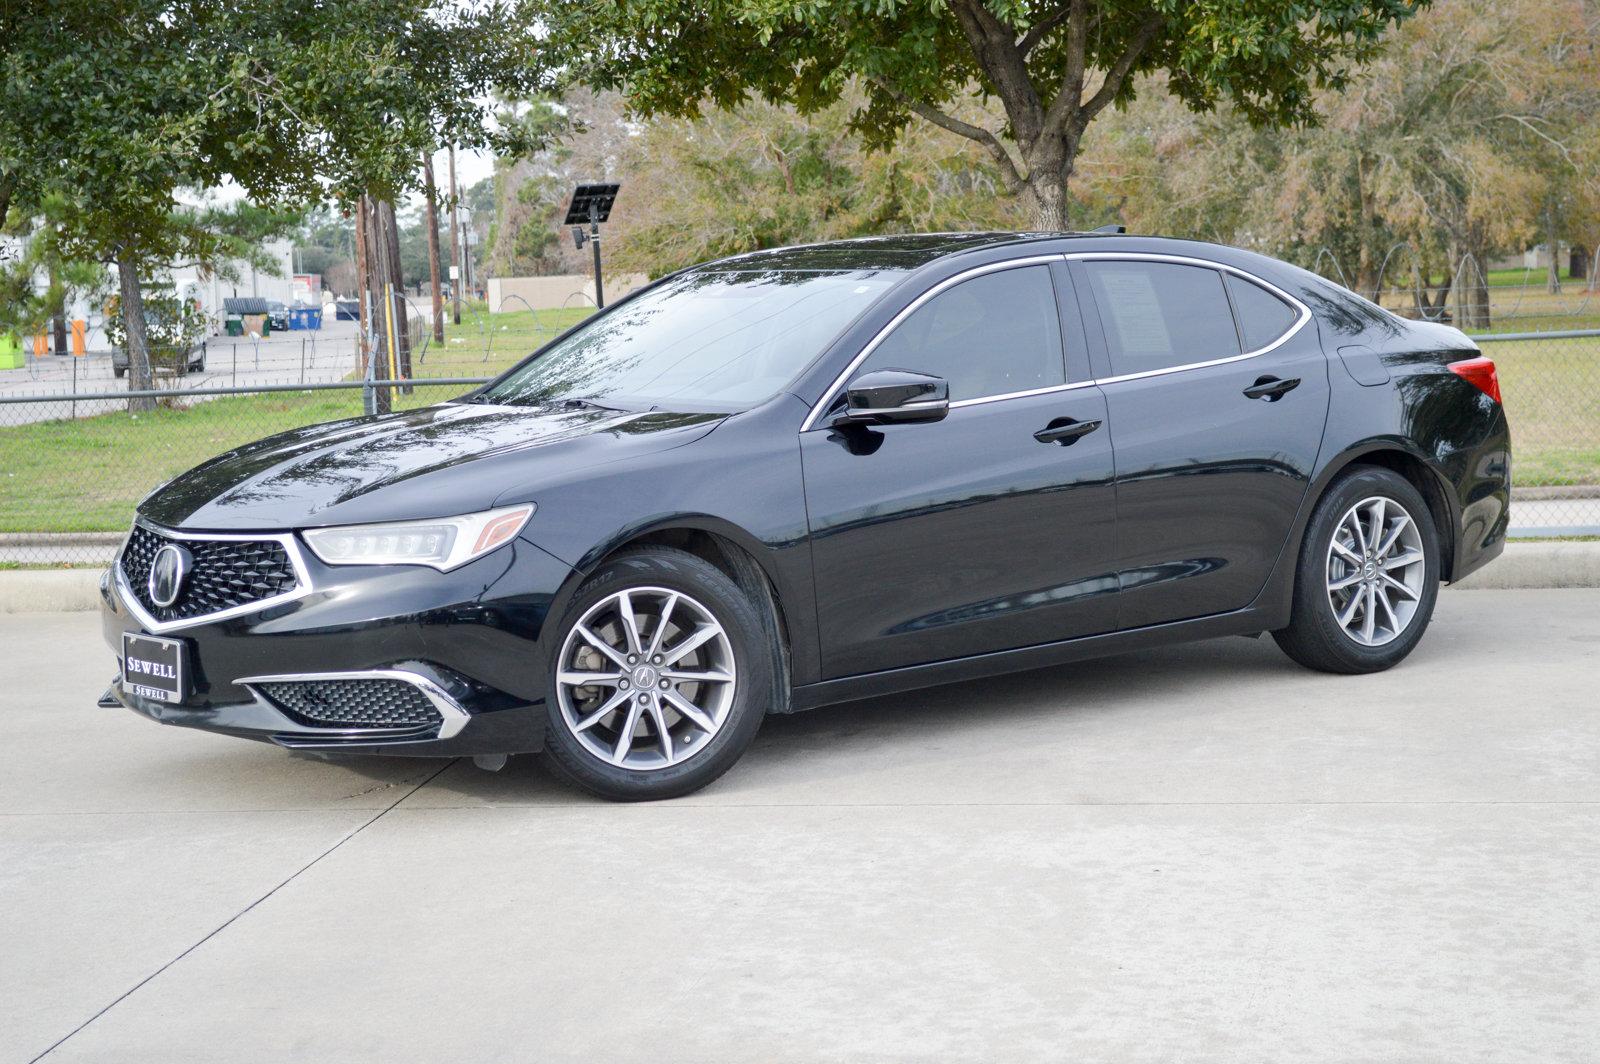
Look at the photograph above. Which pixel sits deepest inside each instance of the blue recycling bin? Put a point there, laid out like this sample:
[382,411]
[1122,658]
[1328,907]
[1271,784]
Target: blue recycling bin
[305,317]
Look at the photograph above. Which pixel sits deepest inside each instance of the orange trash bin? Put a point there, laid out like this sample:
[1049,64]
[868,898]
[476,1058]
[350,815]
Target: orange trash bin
[80,337]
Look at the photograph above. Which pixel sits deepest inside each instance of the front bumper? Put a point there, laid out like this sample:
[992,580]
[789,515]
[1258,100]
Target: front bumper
[467,640]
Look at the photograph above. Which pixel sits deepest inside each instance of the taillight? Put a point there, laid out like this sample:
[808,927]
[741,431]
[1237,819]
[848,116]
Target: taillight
[1479,372]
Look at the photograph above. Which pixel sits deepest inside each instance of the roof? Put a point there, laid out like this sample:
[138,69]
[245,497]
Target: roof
[244,305]
[903,252]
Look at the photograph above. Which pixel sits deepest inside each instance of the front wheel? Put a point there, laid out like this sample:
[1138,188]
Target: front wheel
[1368,576]
[661,679]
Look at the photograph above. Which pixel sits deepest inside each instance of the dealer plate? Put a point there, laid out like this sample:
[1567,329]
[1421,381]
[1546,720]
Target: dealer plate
[153,667]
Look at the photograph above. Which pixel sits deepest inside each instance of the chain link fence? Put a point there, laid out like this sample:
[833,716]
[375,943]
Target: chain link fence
[74,461]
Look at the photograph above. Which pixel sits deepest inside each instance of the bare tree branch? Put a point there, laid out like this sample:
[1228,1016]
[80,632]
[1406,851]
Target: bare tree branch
[994,46]
[1065,105]
[1118,74]
[1038,31]
[1009,175]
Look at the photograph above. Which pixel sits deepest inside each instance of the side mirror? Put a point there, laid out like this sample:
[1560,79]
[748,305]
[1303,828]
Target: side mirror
[893,396]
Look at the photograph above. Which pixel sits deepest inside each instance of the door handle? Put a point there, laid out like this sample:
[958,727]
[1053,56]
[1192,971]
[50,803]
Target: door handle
[1065,431]
[1271,388]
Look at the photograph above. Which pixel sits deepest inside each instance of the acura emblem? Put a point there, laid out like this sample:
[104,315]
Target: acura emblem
[167,572]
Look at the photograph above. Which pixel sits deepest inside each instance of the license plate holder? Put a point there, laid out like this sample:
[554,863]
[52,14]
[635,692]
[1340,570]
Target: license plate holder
[153,667]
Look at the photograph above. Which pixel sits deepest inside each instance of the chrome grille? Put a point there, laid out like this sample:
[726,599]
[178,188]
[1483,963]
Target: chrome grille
[227,573]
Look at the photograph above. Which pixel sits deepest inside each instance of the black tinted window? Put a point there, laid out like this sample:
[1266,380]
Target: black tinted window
[994,334]
[1263,317]
[1161,314]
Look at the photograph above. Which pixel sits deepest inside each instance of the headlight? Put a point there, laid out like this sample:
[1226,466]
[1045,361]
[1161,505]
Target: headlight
[443,544]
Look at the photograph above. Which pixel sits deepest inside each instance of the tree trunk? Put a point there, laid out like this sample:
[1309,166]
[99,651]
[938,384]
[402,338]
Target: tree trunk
[1578,263]
[58,318]
[1472,291]
[1366,264]
[433,246]
[1552,247]
[396,278]
[1046,198]
[455,244]
[134,337]
[363,285]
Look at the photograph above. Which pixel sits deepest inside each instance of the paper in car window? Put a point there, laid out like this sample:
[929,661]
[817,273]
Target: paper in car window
[1135,311]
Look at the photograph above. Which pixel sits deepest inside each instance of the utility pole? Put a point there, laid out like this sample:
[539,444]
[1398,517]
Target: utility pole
[363,283]
[433,245]
[455,244]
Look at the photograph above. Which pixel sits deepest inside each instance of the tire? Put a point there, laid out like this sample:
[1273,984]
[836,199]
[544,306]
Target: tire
[583,739]
[1317,636]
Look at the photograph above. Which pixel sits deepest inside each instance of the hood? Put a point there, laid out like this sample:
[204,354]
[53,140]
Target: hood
[433,462]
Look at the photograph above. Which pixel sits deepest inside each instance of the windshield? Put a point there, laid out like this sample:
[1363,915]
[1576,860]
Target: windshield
[710,340]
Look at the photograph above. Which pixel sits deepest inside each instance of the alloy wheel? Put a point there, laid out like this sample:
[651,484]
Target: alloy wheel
[1375,571]
[646,678]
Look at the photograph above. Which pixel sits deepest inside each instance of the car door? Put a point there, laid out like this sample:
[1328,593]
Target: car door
[1217,392]
[989,529]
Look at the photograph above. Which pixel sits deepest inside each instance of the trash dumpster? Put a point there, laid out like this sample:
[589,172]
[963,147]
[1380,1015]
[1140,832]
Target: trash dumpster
[11,356]
[234,325]
[305,318]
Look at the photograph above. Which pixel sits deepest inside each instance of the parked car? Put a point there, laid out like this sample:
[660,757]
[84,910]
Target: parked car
[818,474]
[163,361]
[278,315]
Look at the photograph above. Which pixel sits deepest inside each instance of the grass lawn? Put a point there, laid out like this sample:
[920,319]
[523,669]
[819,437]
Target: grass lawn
[1551,390]
[484,344]
[86,475]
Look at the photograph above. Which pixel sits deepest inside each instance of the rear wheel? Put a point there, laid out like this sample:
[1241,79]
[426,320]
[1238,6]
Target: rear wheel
[661,678]
[1368,575]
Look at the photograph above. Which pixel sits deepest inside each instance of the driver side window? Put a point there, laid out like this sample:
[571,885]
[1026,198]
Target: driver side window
[991,335]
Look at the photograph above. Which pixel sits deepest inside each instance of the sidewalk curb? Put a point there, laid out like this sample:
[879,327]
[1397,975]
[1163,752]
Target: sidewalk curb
[49,590]
[1523,565]
[1538,565]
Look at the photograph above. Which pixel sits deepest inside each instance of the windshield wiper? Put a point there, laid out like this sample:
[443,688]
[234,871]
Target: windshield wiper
[577,401]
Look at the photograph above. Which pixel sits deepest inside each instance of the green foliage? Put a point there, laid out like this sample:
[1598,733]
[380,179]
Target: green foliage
[173,324]
[922,58]
[764,176]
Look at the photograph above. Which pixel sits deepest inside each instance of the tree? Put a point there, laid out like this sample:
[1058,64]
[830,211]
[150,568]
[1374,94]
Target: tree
[1439,153]
[119,105]
[762,175]
[1052,66]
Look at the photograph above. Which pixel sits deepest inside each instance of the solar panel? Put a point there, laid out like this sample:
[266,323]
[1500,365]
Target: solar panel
[591,203]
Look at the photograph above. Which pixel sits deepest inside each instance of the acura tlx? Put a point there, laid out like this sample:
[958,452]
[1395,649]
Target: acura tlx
[817,474]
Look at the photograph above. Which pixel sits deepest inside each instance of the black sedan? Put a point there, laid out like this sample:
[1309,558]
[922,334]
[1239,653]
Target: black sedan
[817,474]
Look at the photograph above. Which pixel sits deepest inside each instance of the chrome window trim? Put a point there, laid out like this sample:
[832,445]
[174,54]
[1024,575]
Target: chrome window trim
[871,345]
[286,540]
[1304,316]
[452,717]
[1189,260]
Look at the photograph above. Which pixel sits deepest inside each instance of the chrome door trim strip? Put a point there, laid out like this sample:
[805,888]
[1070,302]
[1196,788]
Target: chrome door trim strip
[980,400]
[832,391]
[1304,316]
[286,540]
[452,717]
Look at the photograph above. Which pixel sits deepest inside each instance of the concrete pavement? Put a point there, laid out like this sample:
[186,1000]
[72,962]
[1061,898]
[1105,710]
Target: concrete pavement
[1199,854]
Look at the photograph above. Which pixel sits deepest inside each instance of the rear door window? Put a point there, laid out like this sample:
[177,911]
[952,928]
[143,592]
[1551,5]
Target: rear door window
[1263,317]
[1158,315]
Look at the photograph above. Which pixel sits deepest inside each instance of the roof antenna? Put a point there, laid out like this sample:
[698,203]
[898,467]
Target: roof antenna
[1110,229]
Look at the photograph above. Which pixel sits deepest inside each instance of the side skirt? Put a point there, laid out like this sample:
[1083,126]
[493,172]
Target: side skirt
[1248,621]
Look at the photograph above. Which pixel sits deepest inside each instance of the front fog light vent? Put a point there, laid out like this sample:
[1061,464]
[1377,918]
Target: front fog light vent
[362,703]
